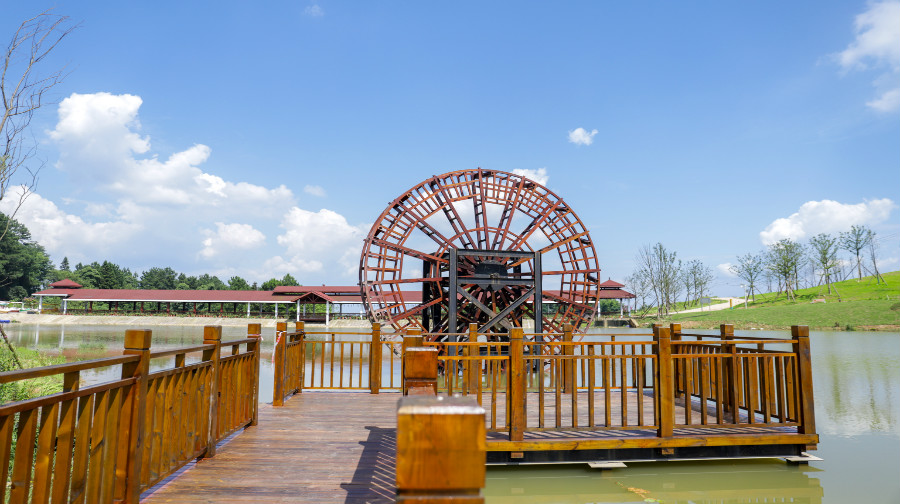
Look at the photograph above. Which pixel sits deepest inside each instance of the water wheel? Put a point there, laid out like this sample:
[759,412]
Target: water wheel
[479,246]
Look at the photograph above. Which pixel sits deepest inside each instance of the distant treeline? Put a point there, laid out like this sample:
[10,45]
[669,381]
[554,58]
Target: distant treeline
[26,268]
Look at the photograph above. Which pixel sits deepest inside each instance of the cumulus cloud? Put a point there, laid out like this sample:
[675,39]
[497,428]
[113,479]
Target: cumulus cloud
[65,233]
[231,236]
[314,11]
[581,136]
[725,269]
[540,175]
[877,47]
[826,216]
[314,190]
[311,238]
[127,204]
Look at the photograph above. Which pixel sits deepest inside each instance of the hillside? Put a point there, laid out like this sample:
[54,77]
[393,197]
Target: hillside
[852,305]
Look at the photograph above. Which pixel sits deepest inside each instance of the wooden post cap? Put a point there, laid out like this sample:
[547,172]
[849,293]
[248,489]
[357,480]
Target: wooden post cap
[254,329]
[137,339]
[440,444]
[212,333]
[421,363]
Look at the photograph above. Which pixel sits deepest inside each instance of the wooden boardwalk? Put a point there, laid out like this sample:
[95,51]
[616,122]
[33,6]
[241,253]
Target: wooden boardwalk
[344,452]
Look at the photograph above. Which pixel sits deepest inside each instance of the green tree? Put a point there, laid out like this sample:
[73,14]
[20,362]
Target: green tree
[209,282]
[289,280]
[238,283]
[784,260]
[159,278]
[854,241]
[824,248]
[750,268]
[64,265]
[24,265]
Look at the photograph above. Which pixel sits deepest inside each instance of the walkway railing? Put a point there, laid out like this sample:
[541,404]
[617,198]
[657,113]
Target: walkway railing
[110,441]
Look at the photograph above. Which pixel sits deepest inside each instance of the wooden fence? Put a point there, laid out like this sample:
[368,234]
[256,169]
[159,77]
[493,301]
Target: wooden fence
[112,440]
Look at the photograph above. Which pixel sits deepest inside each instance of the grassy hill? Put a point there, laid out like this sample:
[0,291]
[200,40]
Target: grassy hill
[852,305]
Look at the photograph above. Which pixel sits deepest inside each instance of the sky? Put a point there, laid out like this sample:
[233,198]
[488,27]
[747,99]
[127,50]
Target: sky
[264,138]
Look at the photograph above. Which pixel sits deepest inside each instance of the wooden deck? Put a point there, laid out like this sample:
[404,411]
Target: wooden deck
[319,447]
[340,447]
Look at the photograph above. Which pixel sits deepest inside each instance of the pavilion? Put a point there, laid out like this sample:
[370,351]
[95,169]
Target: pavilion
[613,290]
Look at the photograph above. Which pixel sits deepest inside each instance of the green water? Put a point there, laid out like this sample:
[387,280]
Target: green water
[857,390]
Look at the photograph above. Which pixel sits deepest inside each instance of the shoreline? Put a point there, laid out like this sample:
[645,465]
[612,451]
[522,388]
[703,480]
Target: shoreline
[154,321]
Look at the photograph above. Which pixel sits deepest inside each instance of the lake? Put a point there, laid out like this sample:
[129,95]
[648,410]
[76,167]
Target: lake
[857,389]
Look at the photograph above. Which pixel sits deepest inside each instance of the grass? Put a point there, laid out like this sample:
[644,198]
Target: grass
[863,305]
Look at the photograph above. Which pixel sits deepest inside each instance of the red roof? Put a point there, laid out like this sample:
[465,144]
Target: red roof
[609,284]
[614,294]
[65,284]
[168,296]
[324,289]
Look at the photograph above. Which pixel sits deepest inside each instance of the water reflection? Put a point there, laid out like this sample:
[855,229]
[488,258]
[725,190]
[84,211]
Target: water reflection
[682,482]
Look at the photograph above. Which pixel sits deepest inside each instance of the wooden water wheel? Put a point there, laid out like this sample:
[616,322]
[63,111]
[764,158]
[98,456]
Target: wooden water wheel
[479,246]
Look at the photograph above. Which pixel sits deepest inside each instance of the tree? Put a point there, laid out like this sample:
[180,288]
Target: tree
[23,91]
[750,268]
[159,278]
[873,256]
[824,248]
[64,265]
[855,241]
[639,285]
[662,270]
[238,283]
[289,280]
[784,261]
[24,265]
[270,284]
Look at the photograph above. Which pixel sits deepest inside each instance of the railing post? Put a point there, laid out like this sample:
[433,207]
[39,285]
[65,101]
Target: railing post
[375,360]
[254,331]
[420,368]
[128,470]
[440,432]
[413,338]
[516,383]
[678,378]
[568,363]
[280,347]
[473,367]
[732,368]
[664,381]
[800,335]
[301,327]
[212,335]
[297,372]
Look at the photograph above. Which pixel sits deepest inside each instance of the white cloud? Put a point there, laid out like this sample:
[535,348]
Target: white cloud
[313,238]
[314,11]
[540,175]
[231,236]
[877,46]
[888,102]
[581,136]
[314,190]
[826,216]
[125,204]
[725,269]
[98,141]
[877,38]
[64,233]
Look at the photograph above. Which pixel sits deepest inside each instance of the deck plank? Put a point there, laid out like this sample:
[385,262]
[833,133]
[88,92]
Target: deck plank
[320,447]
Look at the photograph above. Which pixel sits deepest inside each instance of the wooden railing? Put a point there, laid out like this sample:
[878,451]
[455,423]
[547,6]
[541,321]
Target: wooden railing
[332,360]
[110,441]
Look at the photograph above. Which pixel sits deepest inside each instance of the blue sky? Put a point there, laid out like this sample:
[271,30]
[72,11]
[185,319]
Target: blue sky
[264,138]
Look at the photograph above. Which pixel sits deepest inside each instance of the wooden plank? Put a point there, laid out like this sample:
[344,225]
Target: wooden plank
[45,451]
[6,432]
[20,485]
[651,442]
[98,441]
[80,458]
